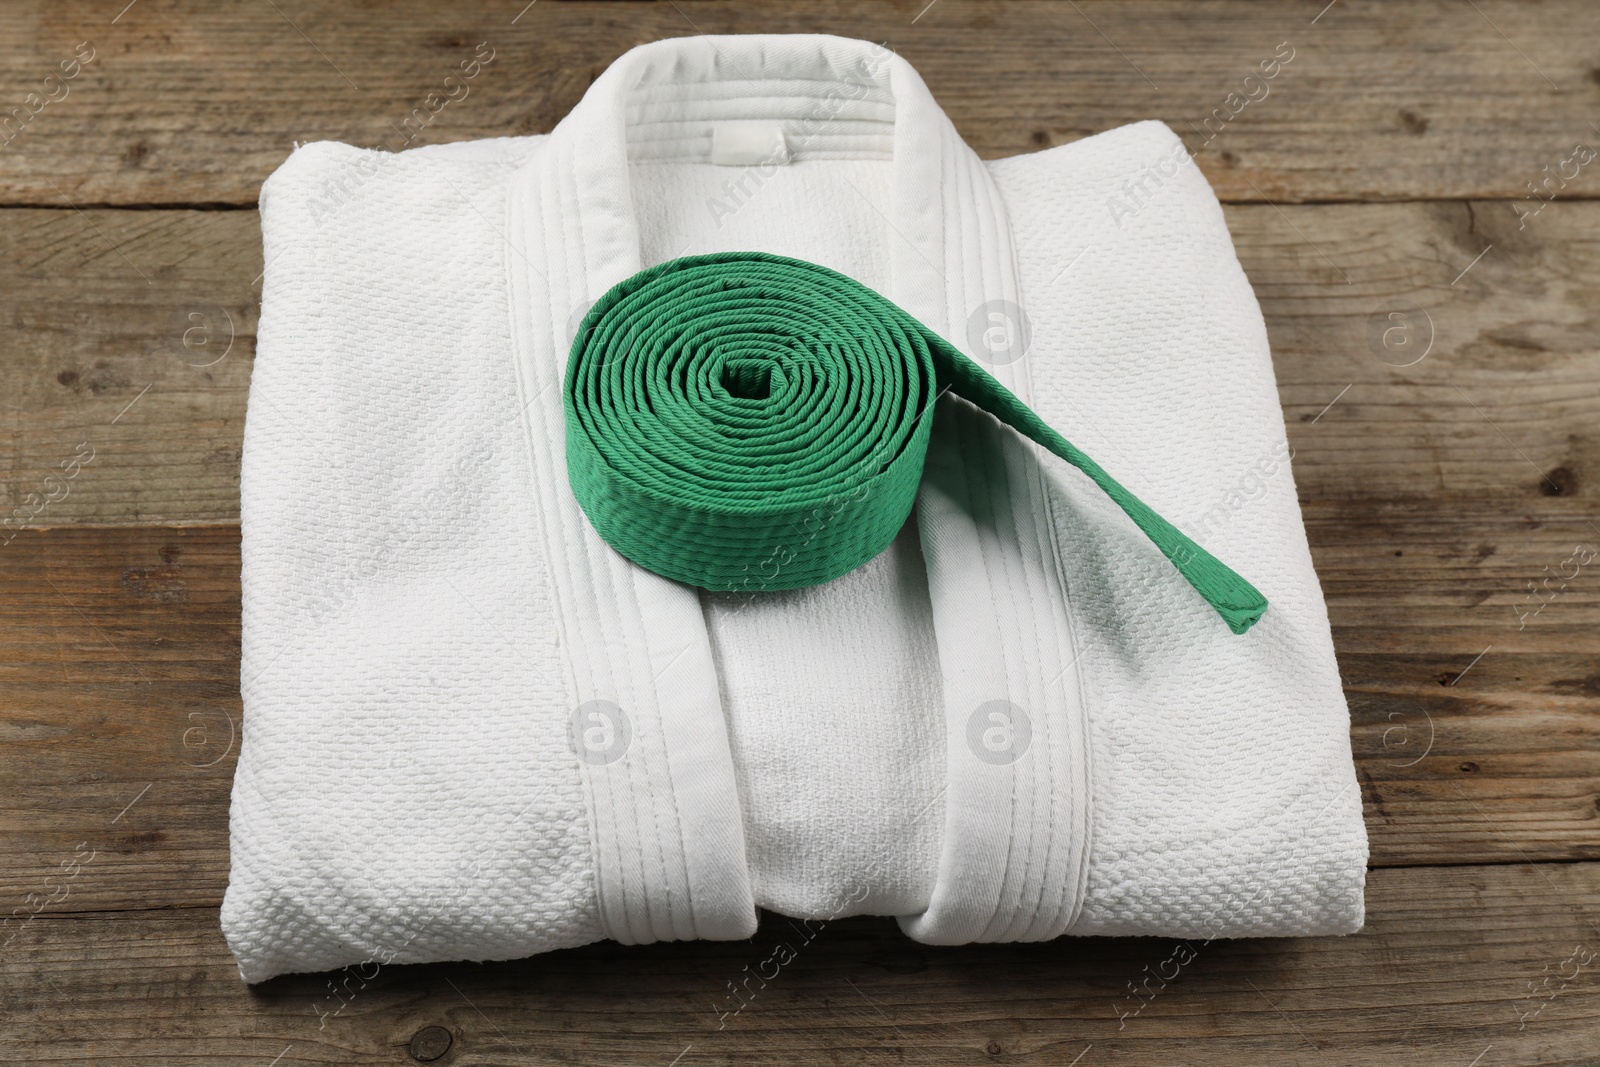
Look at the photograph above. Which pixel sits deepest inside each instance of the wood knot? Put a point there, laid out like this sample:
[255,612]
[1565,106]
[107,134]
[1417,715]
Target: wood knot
[429,1043]
[1559,482]
[1414,123]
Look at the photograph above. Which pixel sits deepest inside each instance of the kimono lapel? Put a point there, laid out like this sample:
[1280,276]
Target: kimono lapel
[664,812]
[1014,858]
[665,826]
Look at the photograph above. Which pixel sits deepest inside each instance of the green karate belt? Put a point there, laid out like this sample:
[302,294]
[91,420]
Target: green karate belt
[743,421]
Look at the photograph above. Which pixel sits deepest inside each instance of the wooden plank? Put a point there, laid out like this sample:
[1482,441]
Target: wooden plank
[1441,975]
[1502,406]
[1503,403]
[1473,702]
[130,340]
[119,660]
[196,103]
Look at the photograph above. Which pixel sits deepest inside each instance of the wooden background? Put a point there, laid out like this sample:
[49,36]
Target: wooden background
[1388,172]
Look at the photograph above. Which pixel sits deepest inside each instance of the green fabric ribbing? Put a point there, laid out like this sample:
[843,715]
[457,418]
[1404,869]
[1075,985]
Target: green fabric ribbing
[744,421]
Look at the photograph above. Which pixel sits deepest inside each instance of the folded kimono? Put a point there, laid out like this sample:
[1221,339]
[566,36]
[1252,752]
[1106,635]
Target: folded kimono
[474,730]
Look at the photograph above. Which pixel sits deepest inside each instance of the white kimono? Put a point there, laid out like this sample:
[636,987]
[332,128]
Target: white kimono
[474,731]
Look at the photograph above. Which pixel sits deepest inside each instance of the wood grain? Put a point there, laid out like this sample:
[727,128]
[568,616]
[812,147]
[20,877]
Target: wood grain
[1441,973]
[119,659]
[131,333]
[1504,403]
[190,103]
[1448,503]
[105,303]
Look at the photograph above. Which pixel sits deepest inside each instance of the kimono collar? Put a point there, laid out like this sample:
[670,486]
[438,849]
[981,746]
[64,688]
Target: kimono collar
[833,98]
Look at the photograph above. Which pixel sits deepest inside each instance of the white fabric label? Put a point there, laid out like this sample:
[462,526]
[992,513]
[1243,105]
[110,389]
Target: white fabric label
[745,143]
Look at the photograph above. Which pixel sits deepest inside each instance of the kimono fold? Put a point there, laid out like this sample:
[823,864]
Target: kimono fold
[474,731]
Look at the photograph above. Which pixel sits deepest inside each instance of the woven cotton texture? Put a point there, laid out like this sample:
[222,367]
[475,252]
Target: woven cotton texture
[427,612]
[743,421]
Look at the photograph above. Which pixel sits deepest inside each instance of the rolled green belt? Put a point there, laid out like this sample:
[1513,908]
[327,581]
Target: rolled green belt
[743,421]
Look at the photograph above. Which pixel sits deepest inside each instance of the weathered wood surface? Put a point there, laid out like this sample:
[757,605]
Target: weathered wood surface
[102,304]
[1450,505]
[188,103]
[1455,964]
[119,661]
[131,334]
